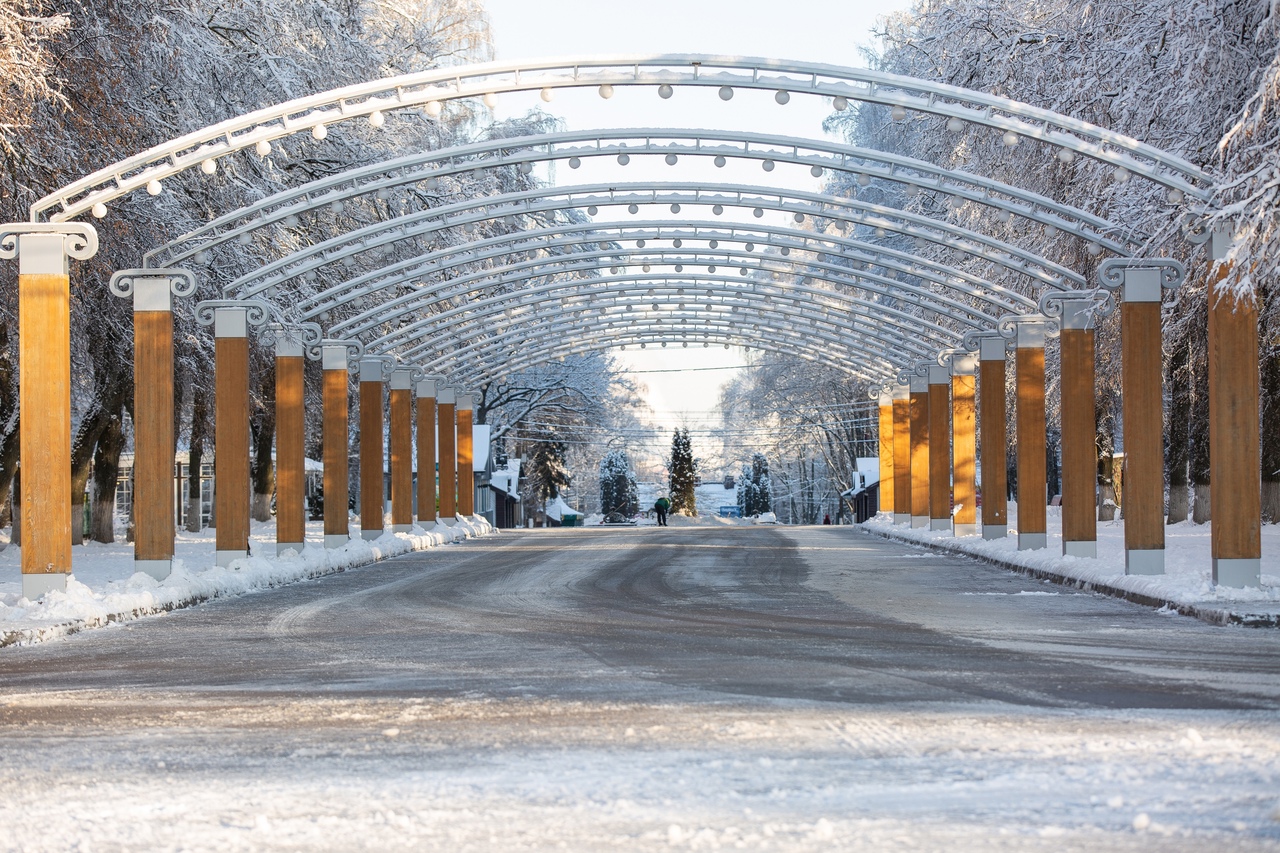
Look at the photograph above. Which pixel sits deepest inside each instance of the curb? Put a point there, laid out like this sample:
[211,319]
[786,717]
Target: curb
[1211,615]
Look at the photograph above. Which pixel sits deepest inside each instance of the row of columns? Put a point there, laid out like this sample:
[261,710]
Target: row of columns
[927,434]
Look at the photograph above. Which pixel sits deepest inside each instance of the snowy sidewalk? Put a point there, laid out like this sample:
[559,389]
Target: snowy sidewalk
[1185,588]
[104,588]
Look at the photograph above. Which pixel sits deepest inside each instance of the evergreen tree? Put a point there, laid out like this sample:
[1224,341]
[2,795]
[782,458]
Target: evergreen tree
[618,485]
[548,474]
[684,499]
[761,489]
[744,484]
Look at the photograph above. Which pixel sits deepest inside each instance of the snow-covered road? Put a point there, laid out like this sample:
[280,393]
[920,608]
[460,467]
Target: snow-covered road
[702,688]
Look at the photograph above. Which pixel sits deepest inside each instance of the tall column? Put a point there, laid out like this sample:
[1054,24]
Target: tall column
[44,393]
[291,475]
[153,426]
[448,455]
[1033,499]
[1234,440]
[337,530]
[939,448]
[993,438]
[231,435]
[964,486]
[901,454]
[919,400]
[372,478]
[427,452]
[401,452]
[1142,400]
[466,457]
[1079,429]
[886,452]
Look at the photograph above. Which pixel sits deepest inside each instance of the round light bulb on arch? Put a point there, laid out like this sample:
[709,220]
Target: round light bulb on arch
[633,209]
[665,91]
[263,148]
[817,171]
[98,210]
[547,94]
[840,103]
[717,209]
[377,118]
[1010,139]
[209,166]
[672,159]
[720,161]
[726,93]
[1176,196]
[606,91]
[592,210]
[624,159]
[782,97]
[1121,175]
[490,100]
[319,132]
[768,165]
[898,113]
[154,187]
[955,125]
[574,162]
[675,208]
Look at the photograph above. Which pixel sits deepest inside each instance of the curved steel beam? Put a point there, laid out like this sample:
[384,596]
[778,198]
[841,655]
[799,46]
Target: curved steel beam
[430,88]
[820,155]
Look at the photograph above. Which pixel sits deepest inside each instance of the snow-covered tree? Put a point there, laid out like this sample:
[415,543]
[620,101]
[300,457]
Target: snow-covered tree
[618,494]
[761,486]
[683,474]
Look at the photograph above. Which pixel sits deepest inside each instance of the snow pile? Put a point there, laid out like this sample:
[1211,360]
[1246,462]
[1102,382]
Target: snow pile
[105,589]
[1186,586]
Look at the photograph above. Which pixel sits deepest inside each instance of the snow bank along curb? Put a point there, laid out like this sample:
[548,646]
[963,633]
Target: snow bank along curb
[1034,564]
[58,614]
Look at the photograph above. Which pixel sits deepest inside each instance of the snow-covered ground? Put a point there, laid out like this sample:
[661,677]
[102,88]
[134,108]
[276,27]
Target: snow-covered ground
[104,588]
[1186,584]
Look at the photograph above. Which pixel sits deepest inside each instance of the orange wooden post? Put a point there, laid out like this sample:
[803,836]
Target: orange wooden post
[1033,498]
[1079,429]
[1234,441]
[964,451]
[466,457]
[372,476]
[426,391]
[231,434]
[886,452]
[901,454]
[44,393]
[153,459]
[939,448]
[993,438]
[291,474]
[919,451]
[401,452]
[337,530]
[448,455]
[1142,403]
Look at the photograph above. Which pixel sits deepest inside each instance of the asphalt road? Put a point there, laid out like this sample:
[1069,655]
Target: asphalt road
[699,688]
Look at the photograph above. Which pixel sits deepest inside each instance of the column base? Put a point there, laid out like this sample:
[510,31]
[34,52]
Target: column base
[902,518]
[34,586]
[1032,541]
[939,524]
[281,547]
[964,530]
[1144,562]
[1236,571]
[446,522]
[158,569]
[995,531]
[226,558]
[370,535]
[428,525]
[1087,549]
[336,540]
[401,528]
[919,521]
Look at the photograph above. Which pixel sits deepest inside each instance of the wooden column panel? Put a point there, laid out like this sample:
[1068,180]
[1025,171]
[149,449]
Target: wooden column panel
[426,451]
[993,445]
[1032,498]
[466,459]
[901,457]
[939,448]
[1234,440]
[448,455]
[401,454]
[1142,403]
[964,451]
[337,483]
[153,460]
[886,453]
[1079,444]
[372,476]
[291,516]
[231,435]
[919,400]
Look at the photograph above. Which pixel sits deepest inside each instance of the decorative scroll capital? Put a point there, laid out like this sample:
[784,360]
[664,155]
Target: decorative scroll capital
[181,282]
[256,310]
[79,239]
[315,349]
[1113,271]
[1087,307]
[973,338]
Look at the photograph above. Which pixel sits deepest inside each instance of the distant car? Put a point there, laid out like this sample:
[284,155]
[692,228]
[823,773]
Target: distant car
[766,518]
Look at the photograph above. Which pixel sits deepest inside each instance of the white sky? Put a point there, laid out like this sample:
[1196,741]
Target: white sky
[828,31]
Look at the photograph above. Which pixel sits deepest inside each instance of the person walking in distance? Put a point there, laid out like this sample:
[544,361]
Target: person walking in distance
[660,506]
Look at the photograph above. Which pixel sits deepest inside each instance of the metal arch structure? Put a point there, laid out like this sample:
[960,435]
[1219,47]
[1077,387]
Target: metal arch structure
[375,236]
[893,262]
[429,89]
[821,156]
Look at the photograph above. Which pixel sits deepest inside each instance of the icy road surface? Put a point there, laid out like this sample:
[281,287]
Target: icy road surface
[640,689]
